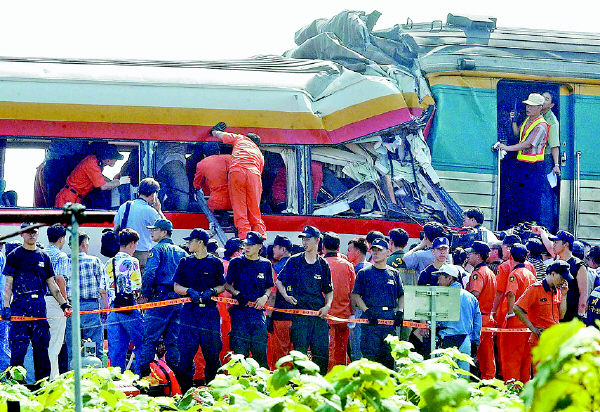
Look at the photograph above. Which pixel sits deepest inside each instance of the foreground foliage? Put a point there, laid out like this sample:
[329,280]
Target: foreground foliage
[431,385]
[568,378]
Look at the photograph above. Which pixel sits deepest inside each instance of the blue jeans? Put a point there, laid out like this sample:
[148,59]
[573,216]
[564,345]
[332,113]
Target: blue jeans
[91,328]
[161,322]
[4,346]
[354,337]
[123,329]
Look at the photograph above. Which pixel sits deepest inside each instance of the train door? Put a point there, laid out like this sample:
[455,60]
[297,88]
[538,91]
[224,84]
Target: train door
[510,95]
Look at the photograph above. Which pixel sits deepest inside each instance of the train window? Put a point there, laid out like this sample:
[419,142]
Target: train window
[19,172]
[62,156]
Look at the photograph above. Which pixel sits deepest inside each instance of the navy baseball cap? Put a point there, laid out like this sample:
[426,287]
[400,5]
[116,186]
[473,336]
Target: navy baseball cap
[212,246]
[233,244]
[199,234]
[380,243]
[162,224]
[510,240]
[441,242]
[562,268]
[27,224]
[479,247]
[563,236]
[253,238]
[310,231]
[518,251]
[449,270]
[283,241]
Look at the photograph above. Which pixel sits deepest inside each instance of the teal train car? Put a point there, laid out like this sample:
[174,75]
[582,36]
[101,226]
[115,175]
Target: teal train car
[478,73]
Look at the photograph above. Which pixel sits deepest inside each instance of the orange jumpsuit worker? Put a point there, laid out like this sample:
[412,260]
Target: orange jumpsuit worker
[245,184]
[88,175]
[482,284]
[504,269]
[211,177]
[342,277]
[544,303]
[514,349]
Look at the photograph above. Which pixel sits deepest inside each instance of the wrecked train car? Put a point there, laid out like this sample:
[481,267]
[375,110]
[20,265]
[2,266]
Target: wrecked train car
[344,150]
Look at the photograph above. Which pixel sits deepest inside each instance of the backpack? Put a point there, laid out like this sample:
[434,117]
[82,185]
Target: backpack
[109,243]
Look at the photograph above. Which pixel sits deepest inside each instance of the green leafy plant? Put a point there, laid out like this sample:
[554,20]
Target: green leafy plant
[568,378]
[567,375]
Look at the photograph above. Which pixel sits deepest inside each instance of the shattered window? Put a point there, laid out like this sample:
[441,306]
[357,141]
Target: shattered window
[387,176]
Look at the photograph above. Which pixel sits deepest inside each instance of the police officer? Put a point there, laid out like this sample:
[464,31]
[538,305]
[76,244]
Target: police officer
[305,282]
[250,279]
[28,273]
[157,285]
[379,293]
[199,276]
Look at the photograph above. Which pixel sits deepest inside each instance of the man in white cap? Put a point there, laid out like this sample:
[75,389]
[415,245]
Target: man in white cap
[529,174]
[467,329]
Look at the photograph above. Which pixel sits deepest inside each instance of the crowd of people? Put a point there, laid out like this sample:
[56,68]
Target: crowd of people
[528,279]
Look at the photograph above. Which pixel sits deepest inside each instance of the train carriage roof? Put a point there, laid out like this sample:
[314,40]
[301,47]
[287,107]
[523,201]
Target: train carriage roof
[285,100]
[475,43]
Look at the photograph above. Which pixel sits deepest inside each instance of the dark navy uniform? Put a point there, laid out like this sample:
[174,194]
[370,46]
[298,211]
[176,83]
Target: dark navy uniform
[573,293]
[200,324]
[309,283]
[157,285]
[380,289]
[593,312]
[30,270]
[248,328]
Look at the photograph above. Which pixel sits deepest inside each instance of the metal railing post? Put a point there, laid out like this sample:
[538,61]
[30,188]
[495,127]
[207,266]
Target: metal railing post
[76,317]
[577,194]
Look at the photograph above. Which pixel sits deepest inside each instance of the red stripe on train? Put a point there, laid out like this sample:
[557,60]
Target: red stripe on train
[286,223]
[136,131]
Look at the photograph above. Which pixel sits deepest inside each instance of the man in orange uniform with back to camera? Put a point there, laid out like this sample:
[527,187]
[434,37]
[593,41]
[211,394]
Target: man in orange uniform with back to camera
[342,277]
[514,349]
[211,177]
[88,175]
[482,285]
[544,303]
[245,184]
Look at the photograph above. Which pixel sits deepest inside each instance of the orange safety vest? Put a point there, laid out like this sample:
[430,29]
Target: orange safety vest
[532,157]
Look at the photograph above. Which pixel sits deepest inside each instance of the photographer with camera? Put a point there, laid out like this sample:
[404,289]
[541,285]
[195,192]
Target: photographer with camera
[474,218]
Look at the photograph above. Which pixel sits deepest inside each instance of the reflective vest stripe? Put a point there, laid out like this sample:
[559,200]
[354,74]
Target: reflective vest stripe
[532,157]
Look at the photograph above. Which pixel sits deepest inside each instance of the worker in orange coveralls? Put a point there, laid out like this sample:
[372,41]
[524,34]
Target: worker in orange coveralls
[498,316]
[514,349]
[342,277]
[482,284]
[245,184]
[211,177]
[88,175]
[544,303]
